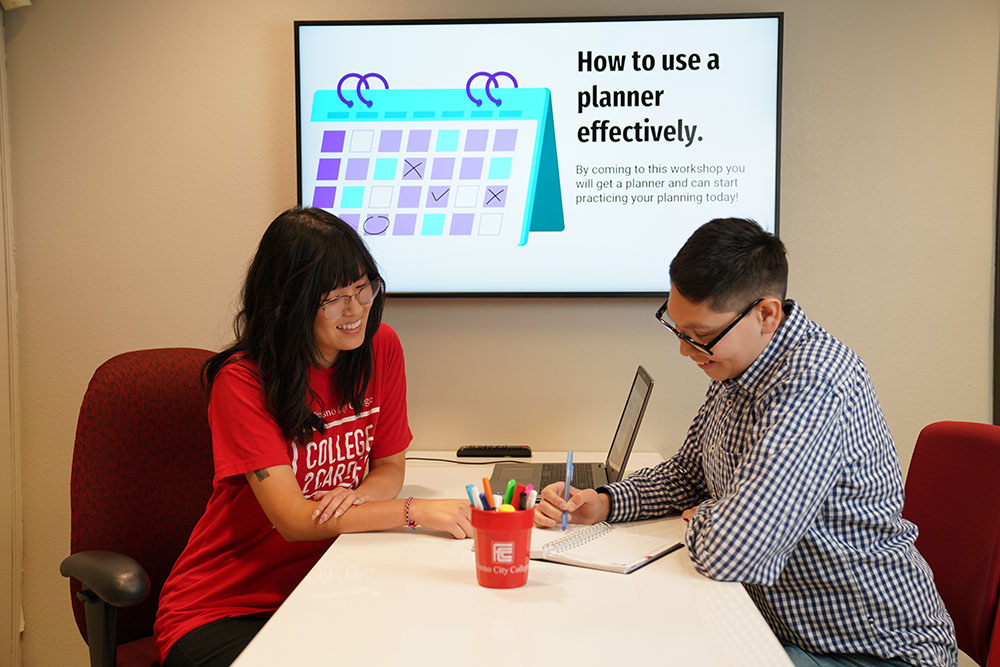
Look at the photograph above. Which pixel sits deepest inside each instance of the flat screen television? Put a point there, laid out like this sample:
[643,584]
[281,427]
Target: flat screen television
[538,157]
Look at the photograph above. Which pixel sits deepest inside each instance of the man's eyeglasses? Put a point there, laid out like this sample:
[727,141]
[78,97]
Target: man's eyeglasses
[333,308]
[704,347]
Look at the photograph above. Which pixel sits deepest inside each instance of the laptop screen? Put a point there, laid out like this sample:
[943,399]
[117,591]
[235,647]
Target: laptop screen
[628,426]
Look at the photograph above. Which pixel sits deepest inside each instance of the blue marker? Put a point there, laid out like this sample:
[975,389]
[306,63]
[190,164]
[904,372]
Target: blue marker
[486,503]
[473,496]
[569,478]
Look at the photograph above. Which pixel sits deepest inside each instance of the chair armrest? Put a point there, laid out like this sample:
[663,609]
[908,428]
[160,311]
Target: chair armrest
[115,578]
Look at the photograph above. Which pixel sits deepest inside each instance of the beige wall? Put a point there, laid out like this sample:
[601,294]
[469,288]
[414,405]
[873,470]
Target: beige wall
[153,141]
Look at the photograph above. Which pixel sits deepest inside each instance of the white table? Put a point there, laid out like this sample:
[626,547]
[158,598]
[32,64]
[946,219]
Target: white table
[411,598]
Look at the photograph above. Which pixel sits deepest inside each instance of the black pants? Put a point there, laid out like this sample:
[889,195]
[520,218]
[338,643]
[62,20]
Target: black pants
[216,644]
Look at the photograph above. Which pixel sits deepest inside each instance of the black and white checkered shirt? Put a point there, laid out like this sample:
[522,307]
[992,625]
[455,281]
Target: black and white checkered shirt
[799,492]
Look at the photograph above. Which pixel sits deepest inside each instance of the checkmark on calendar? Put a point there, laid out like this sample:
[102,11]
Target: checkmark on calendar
[437,197]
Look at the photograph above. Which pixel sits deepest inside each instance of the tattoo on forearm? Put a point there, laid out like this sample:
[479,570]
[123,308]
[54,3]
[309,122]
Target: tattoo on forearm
[262,474]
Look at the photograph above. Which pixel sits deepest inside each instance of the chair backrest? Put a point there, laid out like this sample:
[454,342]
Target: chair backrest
[953,496]
[142,467]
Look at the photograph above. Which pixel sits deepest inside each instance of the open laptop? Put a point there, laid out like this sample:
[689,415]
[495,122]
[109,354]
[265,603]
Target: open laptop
[587,475]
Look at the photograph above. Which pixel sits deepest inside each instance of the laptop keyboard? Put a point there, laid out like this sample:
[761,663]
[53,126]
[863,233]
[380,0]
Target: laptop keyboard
[583,476]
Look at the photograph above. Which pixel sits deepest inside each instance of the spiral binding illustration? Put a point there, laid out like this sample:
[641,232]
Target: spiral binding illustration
[492,80]
[362,79]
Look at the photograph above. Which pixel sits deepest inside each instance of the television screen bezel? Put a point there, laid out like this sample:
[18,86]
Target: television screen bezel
[779,16]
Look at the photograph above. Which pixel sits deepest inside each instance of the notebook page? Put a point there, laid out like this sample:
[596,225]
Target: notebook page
[602,546]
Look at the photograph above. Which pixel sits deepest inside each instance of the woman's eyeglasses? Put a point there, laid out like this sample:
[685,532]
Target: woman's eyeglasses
[334,307]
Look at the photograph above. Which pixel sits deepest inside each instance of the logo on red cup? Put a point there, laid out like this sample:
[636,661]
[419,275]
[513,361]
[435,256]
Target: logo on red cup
[503,552]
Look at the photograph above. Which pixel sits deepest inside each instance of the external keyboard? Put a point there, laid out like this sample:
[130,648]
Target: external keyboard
[520,451]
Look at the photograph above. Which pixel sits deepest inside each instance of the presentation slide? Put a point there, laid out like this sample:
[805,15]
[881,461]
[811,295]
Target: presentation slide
[538,157]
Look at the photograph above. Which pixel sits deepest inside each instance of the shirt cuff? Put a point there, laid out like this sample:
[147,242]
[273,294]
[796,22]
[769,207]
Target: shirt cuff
[624,501]
[699,522]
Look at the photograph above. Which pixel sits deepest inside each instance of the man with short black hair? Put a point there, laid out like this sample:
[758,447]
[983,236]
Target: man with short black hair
[788,476]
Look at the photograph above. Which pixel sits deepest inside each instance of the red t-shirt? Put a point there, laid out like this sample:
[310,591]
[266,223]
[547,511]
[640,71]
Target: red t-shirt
[235,562]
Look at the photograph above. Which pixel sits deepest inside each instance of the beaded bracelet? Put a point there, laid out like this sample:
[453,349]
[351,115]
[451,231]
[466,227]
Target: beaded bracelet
[406,514]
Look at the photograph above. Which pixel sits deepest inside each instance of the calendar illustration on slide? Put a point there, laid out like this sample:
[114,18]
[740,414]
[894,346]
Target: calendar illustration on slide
[476,163]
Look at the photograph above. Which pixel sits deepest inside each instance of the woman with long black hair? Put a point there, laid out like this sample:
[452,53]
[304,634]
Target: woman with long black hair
[309,432]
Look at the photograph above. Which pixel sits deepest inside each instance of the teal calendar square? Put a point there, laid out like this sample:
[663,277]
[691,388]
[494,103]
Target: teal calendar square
[352,196]
[385,169]
[433,224]
[447,141]
[500,168]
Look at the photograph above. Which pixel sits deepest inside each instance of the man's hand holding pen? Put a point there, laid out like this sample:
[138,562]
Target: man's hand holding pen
[585,506]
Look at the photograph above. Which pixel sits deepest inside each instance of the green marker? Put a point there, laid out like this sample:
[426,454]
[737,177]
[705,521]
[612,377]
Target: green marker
[509,493]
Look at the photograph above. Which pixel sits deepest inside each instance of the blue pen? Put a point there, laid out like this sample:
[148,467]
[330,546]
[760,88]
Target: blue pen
[569,478]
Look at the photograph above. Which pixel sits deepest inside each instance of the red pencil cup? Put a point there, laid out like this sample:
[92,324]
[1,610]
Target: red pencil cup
[503,541]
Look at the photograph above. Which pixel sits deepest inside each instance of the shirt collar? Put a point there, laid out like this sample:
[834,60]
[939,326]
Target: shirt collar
[788,334]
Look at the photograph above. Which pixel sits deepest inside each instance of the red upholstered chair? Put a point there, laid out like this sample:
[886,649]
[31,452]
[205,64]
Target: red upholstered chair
[953,495]
[142,473]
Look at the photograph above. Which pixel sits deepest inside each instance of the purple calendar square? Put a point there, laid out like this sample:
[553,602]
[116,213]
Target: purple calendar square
[376,225]
[414,168]
[323,196]
[405,224]
[357,169]
[495,196]
[461,224]
[418,140]
[443,167]
[472,167]
[409,196]
[475,140]
[333,141]
[329,169]
[505,140]
[350,218]
[437,196]
[389,141]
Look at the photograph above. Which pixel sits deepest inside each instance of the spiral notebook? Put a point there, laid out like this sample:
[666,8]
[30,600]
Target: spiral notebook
[601,546]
